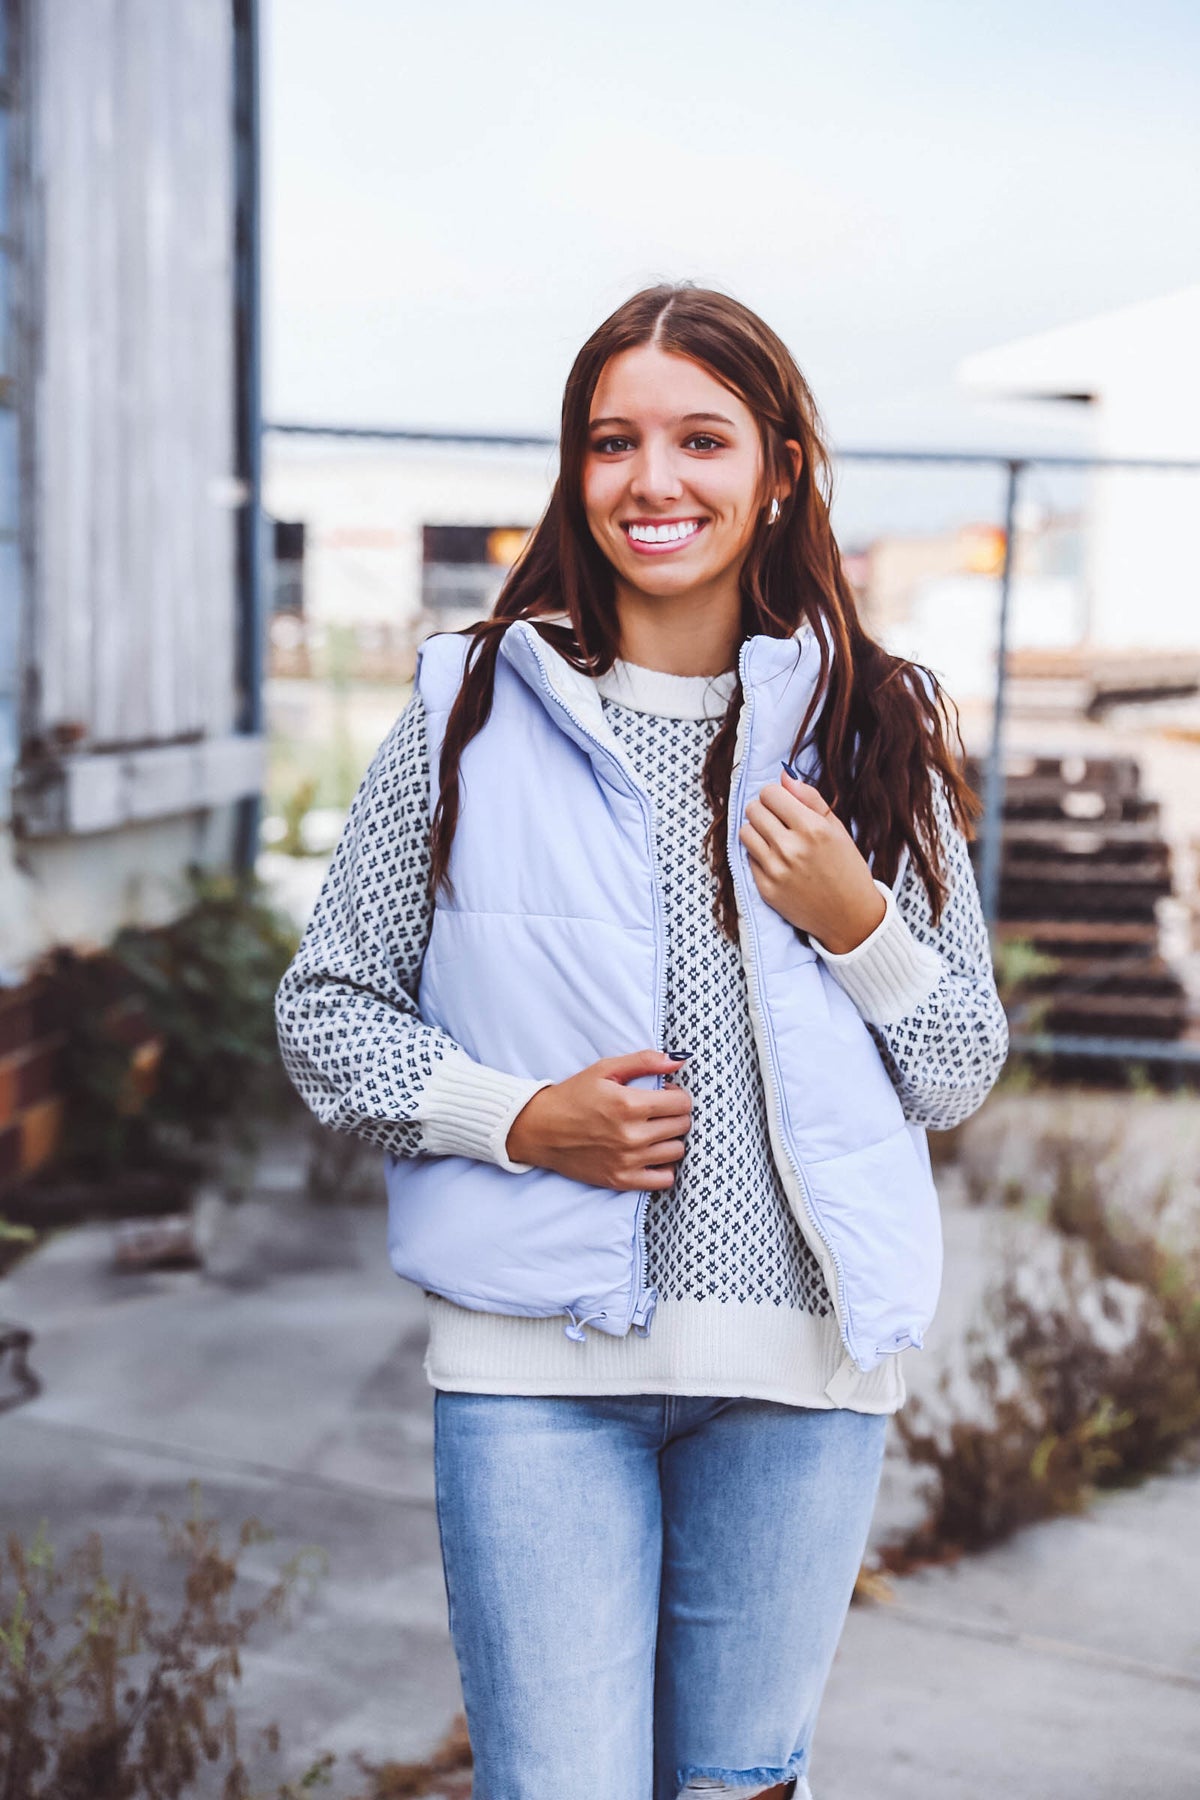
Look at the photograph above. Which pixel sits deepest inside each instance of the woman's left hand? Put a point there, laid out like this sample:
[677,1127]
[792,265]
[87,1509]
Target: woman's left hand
[807,866]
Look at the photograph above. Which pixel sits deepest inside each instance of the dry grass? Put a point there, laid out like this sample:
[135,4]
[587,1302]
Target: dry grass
[103,1697]
[1085,1371]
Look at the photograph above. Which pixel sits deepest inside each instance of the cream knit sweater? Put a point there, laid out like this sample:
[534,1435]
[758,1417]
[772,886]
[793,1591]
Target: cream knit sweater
[743,1307]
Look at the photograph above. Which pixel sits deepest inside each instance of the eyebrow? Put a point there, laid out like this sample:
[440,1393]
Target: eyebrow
[685,419]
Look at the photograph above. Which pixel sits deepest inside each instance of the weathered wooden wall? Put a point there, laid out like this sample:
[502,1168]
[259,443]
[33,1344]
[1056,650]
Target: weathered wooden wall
[134,371]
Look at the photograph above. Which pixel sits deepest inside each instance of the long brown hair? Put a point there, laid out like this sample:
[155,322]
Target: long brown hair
[881,726]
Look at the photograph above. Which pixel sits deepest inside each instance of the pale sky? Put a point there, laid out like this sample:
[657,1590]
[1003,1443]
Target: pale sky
[455,196]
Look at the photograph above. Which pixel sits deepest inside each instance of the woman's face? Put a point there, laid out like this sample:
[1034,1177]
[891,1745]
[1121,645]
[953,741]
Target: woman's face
[672,473]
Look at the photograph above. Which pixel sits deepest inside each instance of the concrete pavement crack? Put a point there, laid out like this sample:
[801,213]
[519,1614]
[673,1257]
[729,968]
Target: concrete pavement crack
[328,1484]
[1046,1646]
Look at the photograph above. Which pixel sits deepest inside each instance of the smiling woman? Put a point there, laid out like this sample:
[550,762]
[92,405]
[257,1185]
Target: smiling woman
[685,406]
[667,470]
[669,792]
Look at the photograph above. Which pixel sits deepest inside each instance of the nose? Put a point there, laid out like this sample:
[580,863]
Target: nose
[654,479]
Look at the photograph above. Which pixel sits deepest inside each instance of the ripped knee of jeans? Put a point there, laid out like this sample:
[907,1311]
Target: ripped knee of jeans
[742,1784]
[703,1786]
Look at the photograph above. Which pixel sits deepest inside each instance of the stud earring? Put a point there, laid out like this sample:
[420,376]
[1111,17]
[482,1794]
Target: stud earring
[773,514]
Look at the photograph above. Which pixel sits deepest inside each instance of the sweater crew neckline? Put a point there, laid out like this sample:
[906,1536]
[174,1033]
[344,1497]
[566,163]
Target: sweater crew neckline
[667,696]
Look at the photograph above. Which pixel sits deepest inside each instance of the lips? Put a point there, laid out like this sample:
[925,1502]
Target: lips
[658,537]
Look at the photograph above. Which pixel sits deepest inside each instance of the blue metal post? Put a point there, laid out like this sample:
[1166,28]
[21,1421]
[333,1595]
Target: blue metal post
[248,352]
[993,787]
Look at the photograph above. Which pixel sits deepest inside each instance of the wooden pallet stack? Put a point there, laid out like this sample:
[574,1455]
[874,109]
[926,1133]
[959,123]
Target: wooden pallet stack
[1084,864]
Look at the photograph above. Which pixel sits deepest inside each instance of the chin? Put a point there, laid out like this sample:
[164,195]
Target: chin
[665,586]
[666,568]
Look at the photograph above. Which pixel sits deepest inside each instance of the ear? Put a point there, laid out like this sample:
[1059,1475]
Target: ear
[797,456]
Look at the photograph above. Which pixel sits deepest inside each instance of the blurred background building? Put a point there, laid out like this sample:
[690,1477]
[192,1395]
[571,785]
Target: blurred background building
[130,725]
[390,538]
[1137,372]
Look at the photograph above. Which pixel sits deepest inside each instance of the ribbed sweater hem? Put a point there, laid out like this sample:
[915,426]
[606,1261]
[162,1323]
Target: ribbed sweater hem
[756,1351]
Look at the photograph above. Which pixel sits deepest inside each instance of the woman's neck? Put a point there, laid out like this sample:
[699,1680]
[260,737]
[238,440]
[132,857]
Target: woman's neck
[678,637]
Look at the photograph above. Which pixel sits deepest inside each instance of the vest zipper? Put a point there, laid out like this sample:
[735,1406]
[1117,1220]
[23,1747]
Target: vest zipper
[789,1169]
[643,1298]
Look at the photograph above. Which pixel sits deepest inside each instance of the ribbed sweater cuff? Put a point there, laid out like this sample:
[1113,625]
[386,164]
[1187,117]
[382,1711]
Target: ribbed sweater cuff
[467,1109]
[890,973]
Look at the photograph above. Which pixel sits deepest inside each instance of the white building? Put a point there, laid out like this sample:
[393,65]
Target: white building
[365,504]
[1137,370]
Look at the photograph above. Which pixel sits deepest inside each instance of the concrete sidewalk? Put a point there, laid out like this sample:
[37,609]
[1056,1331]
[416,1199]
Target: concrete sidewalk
[287,1377]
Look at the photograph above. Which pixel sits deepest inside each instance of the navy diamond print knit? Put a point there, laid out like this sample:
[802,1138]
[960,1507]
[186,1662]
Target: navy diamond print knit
[724,1232]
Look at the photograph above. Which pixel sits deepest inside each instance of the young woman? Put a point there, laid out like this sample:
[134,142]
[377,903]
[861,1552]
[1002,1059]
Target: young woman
[650,949]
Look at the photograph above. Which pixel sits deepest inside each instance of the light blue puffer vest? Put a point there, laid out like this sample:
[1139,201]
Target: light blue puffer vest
[553,954]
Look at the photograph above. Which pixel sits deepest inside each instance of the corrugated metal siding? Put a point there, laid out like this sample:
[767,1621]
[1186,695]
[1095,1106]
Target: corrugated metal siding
[134,413]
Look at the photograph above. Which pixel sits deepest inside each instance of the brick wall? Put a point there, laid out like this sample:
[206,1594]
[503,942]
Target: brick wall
[31,1106]
[97,993]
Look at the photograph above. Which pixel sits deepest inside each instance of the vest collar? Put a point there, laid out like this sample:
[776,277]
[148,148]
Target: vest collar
[761,659]
[778,678]
[537,662]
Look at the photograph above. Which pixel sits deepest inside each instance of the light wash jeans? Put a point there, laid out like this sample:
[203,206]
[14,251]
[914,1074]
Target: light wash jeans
[646,1592]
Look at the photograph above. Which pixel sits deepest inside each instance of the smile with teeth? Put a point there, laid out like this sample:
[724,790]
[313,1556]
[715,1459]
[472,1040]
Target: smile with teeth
[672,532]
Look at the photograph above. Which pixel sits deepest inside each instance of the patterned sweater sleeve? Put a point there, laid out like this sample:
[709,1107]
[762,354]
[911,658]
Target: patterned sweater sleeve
[928,992]
[350,1030]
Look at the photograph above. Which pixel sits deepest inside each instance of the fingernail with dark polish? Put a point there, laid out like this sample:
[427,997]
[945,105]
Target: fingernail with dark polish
[679,1055]
[794,773]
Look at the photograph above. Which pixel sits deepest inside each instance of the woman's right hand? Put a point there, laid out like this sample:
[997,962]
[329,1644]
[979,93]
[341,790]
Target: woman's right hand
[595,1129]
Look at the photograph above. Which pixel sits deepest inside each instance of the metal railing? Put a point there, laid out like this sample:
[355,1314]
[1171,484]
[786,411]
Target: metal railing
[991,830]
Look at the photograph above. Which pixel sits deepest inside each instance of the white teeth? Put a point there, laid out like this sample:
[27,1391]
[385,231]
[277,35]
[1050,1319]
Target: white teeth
[663,534]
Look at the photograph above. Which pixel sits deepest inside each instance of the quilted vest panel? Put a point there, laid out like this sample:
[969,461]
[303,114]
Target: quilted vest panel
[551,954]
